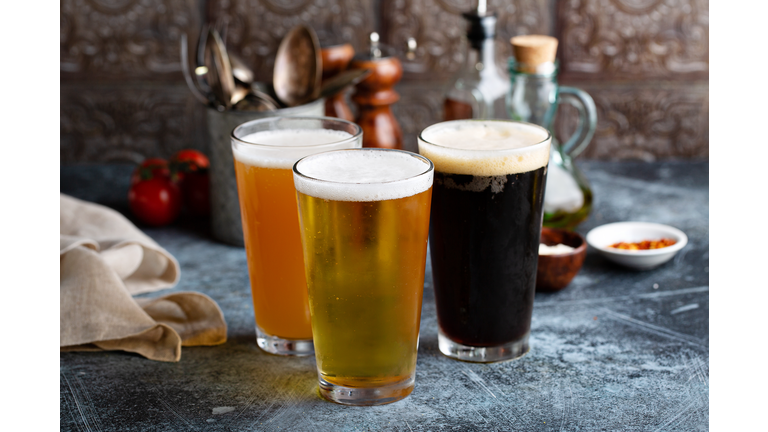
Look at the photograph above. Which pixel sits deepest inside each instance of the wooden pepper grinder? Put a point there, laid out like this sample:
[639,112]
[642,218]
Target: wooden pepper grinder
[374,95]
[336,60]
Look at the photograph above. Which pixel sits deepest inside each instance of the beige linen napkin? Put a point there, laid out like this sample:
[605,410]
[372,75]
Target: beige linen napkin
[104,261]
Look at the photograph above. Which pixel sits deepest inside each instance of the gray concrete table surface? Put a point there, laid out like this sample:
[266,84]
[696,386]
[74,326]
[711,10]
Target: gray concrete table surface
[617,350]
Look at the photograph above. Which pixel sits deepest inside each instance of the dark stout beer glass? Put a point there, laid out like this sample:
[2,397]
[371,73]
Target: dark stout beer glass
[484,233]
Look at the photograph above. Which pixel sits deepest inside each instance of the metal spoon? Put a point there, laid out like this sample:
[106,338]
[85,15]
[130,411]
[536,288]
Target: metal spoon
[268,100]
[196,92]
[200,69]
[219,75]
[298,66]
[240,70]
[239,94]
[253,103]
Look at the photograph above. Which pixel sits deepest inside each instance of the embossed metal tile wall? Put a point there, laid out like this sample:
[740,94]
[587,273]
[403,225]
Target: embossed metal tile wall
[645,62]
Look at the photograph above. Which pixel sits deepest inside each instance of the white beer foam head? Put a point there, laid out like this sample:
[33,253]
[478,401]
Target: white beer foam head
[282,148]
[485,147]
[363,175]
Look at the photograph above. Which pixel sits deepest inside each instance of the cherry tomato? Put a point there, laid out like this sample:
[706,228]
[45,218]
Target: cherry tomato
[152,167]
[185,161]
[156,201]
[189,170]
[195,193]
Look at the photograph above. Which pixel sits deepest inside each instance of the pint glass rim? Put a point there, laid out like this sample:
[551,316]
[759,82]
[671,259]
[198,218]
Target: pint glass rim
[430,166]
[356,136]
[546,141]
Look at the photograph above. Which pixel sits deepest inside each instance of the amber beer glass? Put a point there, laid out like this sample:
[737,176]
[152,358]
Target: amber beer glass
[484,233]
[264,152]
[364,217]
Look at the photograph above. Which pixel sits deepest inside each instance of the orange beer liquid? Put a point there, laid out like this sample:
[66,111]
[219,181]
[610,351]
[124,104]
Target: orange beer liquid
[273,248]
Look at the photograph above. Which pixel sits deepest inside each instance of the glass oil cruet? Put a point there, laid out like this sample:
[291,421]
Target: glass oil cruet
[534,97]
[479,88]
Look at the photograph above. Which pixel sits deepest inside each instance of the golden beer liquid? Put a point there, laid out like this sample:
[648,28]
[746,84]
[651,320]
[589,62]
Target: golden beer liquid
[365,272]
[273,249]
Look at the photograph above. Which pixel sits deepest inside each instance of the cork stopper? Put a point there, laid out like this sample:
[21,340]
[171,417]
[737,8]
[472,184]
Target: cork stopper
[534,53]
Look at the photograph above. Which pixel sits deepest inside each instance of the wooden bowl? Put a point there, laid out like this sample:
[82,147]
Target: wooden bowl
[555,272]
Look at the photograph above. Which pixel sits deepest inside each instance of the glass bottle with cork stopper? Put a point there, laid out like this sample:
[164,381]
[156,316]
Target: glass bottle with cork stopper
[479,87]
[534,98]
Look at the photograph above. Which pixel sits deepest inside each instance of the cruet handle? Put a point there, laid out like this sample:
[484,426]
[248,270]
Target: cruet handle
[479,109]
[584,104]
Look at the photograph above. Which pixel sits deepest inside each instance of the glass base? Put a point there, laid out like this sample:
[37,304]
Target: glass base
[510,351]
[367,396]
[285,347]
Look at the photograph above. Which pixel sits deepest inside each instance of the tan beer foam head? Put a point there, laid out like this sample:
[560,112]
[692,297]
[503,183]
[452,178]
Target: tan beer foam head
[485,147]
[281,149]
[363,175]
[531,51]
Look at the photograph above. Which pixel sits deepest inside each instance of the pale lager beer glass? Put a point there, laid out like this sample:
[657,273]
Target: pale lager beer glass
[364,217]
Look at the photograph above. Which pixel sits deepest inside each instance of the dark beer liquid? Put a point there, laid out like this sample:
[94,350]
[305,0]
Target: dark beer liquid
[484,240]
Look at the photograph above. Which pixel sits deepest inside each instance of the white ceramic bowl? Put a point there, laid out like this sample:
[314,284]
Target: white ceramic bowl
[603,236]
